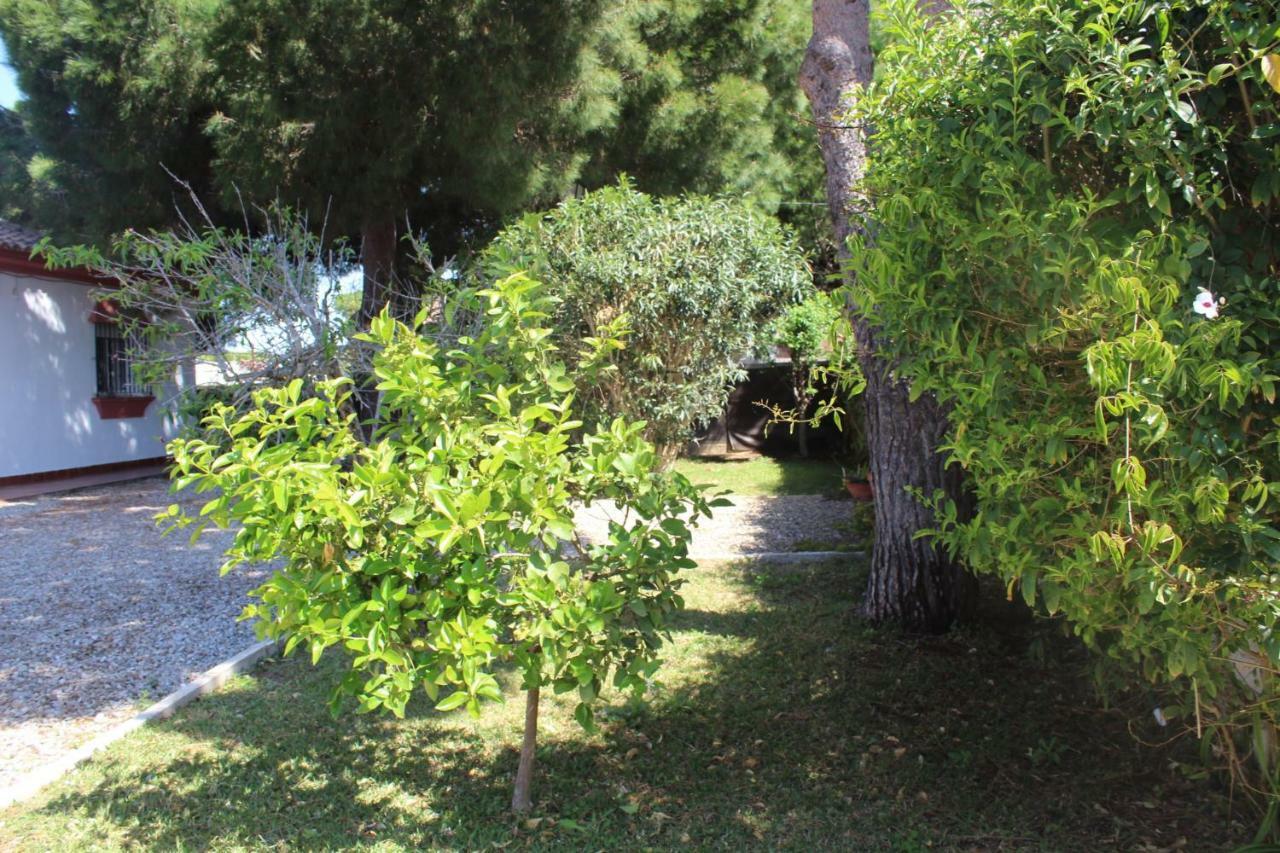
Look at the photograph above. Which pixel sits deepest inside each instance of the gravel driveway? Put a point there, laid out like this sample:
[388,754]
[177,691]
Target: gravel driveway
[100,614]
[753,525]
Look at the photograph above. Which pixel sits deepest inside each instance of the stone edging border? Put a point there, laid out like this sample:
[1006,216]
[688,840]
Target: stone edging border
[209,681]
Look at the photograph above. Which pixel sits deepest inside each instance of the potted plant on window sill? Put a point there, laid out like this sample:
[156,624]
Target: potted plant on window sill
[858,484]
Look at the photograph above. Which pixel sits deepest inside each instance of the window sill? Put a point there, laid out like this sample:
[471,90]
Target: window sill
[112,408]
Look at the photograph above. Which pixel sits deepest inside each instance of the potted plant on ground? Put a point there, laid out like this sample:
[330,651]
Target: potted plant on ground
[858,483]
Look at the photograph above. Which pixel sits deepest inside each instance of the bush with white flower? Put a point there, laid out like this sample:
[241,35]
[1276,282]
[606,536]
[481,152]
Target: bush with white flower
[1050,183]
[1206,305]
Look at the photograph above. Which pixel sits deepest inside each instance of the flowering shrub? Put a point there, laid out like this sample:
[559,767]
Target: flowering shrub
[1076,247]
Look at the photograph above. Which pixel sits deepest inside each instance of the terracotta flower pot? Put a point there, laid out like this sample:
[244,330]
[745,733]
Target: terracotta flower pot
[859,490]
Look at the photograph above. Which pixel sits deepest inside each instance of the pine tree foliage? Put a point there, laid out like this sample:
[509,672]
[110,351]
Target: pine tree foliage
[450,115]
[709,101]
[16,150]
[115,94]
[380,109]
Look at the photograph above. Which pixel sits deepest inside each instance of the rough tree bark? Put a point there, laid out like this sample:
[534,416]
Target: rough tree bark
[378,259]
[912,582]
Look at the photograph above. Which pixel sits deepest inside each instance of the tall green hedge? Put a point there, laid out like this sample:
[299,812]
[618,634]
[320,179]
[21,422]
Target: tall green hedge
[1076,244]
[695,281]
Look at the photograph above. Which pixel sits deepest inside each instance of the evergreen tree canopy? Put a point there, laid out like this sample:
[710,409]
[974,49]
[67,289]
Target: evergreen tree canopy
[373,110]
[709,101]
[451,115]
[16,151]
[116,92]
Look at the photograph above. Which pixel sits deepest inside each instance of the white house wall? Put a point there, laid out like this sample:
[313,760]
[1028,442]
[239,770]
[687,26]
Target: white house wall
[48,380]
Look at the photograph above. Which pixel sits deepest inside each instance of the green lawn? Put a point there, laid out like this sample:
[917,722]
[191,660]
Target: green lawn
[754,476]
[781,723]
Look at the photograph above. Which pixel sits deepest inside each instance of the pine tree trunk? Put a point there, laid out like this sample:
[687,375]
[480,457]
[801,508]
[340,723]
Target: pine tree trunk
[911,582]
[522,800]
[378,258]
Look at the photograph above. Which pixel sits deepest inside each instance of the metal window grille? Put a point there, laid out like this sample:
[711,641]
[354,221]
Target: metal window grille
[115,365]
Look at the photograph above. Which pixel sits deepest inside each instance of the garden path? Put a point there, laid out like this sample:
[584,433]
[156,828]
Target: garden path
[101,615]
[754,525]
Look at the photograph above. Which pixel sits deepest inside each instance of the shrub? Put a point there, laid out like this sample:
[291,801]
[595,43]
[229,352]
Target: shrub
[805,330]
[1054,185]
[697,279]
[445,548]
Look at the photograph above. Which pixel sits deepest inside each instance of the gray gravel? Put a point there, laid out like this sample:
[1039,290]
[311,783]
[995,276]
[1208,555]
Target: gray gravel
[753,525]
[100,615]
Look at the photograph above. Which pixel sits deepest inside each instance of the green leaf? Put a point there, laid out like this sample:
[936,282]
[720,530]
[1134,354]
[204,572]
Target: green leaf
[1217,72]
[453,701]
[675,527]
[403,514]
[585,716]
[1156,195]
[1271,70]
[561,528]
[1029,587]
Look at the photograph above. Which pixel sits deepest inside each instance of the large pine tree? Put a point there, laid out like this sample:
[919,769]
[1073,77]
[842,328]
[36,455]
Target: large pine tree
[373,113]
[912,582]
[116,93]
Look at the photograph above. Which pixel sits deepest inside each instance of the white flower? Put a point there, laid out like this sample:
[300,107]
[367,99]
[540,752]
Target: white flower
[1207,305]
[1161,719]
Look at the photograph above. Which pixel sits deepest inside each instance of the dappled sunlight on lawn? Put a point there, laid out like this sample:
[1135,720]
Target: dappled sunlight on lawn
[778,721]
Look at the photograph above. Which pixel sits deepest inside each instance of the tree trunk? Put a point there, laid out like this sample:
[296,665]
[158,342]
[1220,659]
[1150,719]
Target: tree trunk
[521,800]
[378,258]
[911,581]
[799,389]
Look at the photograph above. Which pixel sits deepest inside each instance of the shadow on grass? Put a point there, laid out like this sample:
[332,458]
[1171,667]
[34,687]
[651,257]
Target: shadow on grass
[797,729]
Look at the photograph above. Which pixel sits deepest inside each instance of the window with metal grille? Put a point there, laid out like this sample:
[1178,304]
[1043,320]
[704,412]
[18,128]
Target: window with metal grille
[115,367]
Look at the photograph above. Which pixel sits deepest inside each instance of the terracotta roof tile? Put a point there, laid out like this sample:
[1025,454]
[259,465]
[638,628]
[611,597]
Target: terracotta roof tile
[16,238]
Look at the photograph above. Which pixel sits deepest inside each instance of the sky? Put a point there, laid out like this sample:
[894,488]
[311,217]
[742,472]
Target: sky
[8,81]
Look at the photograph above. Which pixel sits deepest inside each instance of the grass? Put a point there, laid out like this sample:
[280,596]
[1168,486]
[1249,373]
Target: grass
[780,723]
[763,476]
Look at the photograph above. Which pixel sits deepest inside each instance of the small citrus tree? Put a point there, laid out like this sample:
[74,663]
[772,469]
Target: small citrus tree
[445,547]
